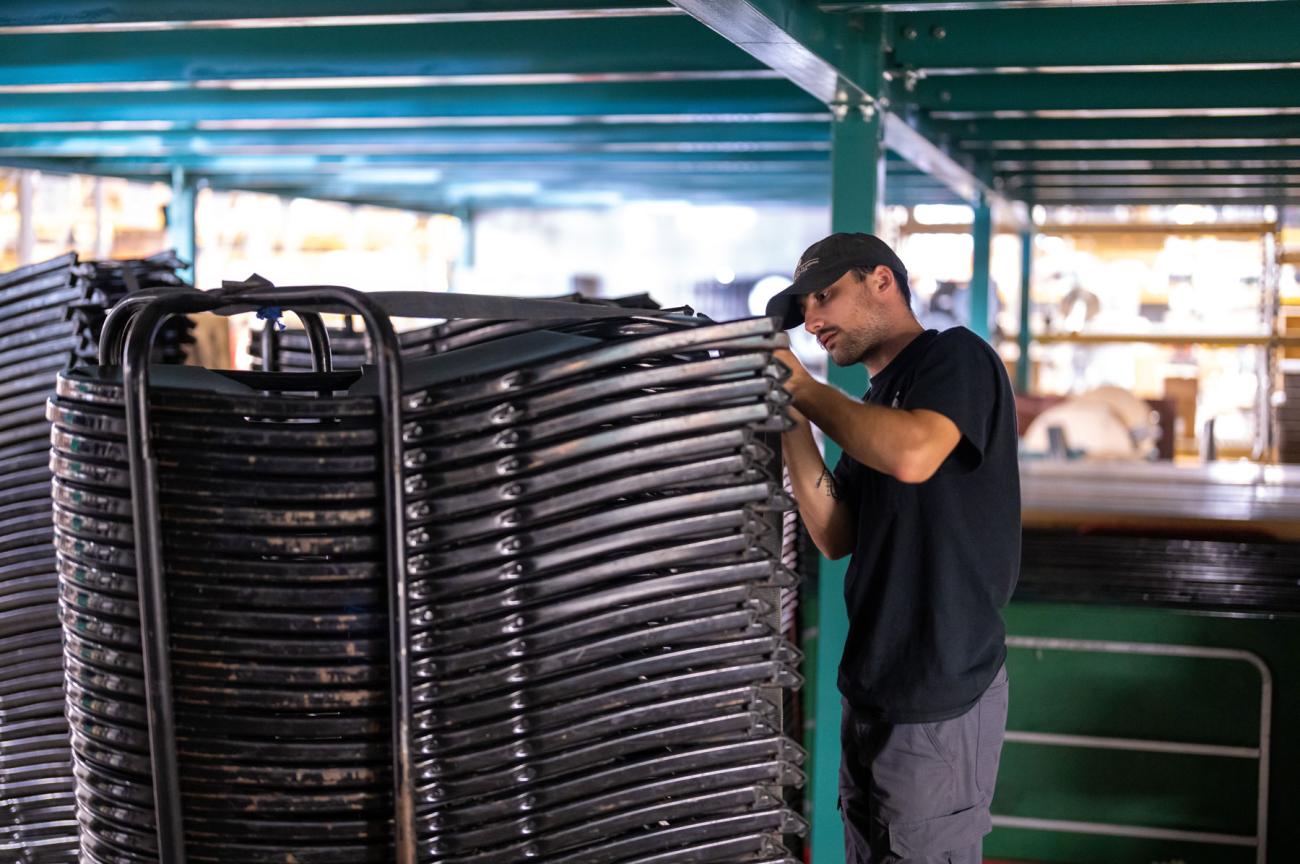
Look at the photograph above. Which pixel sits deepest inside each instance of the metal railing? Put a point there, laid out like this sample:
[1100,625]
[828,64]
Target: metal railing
[1259,840]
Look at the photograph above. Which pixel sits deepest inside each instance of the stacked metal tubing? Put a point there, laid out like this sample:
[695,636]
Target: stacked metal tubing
[573,538]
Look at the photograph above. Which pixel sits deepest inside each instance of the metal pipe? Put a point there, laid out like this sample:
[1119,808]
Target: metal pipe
[1113,830]
[154,633]
[318,338]
[1025,337]
[270,347]
[981,286]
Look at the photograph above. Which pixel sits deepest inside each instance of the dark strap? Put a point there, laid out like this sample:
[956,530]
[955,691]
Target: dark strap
[423,304]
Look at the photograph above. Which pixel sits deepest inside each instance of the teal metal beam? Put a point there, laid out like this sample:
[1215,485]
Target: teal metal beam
[465,52]
[130,15]
[980,284]
[1175,181]
[837,61]
[629,137]
[1142,35]
[200,108]
[469,238]
[1220,195]
[857,171]
[1106,91]
[325,164]
[1281,128]
[1106,173]
[438,185]
[850,7]
[1146,158]
[181,226]
[1024,337]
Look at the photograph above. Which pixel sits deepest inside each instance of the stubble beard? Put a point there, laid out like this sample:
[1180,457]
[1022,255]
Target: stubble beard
[854,348]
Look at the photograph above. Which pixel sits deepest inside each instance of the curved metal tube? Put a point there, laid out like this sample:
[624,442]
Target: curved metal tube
[386,356]
[112,336]
[143,316]
[155,639]
[318,340]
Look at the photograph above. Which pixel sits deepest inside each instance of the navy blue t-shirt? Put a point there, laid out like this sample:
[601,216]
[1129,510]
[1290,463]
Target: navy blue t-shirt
[934,562]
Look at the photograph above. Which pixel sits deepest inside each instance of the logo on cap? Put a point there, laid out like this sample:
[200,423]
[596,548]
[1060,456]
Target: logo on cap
[804,266]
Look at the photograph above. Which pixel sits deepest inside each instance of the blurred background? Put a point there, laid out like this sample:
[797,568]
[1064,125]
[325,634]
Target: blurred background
[1175,306]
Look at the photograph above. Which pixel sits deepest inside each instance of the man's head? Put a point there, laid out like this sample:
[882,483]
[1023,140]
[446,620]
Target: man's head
[851,292]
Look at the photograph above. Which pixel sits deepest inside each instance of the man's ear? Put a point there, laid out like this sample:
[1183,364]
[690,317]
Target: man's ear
[885,278]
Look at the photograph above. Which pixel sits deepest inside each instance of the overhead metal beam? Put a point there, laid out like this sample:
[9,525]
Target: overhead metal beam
[454,193]
[670,137]
[1084,156]
[557,47]
[666,98]
[656,159]
[925,155]
[1152,167]
[1165,195]
[1176,181]
[387,82]
[836,62]
[852,7]
[324,165]
[821,53]
[1094,37]
[1190,90]
[1113,132]
[1163,148]
[88,16]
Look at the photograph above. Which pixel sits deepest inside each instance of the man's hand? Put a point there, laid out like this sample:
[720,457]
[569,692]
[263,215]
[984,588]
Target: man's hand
[797,384]
[907,445]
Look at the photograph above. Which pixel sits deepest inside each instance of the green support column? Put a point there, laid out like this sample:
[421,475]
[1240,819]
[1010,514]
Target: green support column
[1026,272]
[468,245]
[980,286]
[180,219]
[857,171]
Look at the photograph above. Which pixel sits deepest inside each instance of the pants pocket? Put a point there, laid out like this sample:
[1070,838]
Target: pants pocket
[941,834]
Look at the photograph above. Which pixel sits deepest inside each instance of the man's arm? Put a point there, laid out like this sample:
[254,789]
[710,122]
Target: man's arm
[908,445]
[829,518]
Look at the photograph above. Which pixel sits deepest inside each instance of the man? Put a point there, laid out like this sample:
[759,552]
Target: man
[926,498]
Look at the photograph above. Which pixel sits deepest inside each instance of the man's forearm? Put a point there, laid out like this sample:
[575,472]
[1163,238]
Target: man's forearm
[890,440]
[825,514]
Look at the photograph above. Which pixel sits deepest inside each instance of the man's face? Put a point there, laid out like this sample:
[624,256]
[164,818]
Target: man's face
[847,317]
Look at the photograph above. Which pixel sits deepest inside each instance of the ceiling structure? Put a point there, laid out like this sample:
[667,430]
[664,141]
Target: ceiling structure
[462,104]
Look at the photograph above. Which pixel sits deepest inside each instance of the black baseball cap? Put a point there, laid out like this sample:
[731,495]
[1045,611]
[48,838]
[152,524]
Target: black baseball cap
[826,261]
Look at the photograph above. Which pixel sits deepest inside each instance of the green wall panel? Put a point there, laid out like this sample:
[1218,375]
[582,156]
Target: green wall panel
[1177,699]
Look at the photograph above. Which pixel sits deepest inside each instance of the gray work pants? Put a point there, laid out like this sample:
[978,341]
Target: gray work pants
[919,793]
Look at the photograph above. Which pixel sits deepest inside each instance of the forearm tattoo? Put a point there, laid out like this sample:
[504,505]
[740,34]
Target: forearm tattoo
[828,480]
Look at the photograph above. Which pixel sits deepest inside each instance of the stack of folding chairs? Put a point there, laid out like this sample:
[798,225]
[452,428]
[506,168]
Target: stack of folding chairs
[290,349]
[50,314]
[277,609]
[594,555]
[593,566]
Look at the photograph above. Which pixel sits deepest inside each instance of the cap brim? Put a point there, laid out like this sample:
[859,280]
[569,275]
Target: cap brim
[784,304]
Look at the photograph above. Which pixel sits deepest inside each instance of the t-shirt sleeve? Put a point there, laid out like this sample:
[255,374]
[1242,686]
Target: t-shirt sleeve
[958,378]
